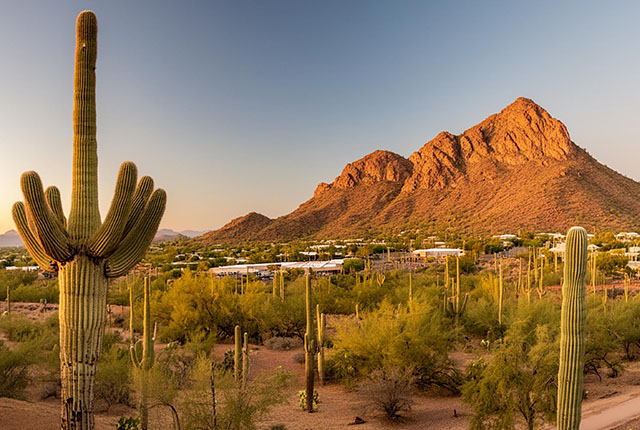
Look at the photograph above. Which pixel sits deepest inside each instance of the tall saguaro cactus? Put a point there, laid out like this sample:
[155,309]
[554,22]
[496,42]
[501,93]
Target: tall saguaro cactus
[572,331]
[85,251]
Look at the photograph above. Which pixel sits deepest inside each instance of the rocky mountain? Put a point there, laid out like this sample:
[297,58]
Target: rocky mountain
[517,169]
[10,239]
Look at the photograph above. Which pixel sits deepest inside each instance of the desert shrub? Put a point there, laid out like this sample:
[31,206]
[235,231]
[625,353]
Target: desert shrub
[353,265]
[14,367]
[601,343]
[236,409]
[282,343]
[394,337]
[625,325]
[128,423]
[520,378]
[389,390]
[299,357]
[33,293]
[113,377]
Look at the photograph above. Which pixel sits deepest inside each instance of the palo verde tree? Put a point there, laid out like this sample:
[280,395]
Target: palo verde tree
[84,250]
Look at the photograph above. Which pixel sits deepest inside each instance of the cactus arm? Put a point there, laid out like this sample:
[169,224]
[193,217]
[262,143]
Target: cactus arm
[49,231]
[106,238]
[572,330]
[30,242]
[52,195]
[133,247]
[84,217]
[139,201]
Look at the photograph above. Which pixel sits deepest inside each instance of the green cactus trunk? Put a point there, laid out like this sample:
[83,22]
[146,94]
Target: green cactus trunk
[322,324]
[309,346]
[86,251]
[237,356]
[245,361]
[82,316]
[144,359]
[500,297]
[571,369]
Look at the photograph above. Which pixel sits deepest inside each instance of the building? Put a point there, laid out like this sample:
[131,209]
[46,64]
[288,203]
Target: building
[439,252]
[267,269]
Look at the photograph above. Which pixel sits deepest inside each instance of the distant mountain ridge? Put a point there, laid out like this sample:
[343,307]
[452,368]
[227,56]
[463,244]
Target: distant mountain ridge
[517,169]
[10,239]
[166,235]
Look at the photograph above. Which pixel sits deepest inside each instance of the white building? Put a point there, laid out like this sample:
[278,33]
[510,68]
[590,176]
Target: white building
[439,252]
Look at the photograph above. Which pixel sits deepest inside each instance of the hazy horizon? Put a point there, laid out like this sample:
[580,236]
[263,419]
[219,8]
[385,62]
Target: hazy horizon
[235,107]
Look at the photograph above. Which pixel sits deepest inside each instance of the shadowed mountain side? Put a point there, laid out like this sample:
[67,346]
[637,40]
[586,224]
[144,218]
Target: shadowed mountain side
[517,169]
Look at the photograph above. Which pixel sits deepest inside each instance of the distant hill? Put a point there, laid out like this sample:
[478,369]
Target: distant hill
[10,239]
[167,235]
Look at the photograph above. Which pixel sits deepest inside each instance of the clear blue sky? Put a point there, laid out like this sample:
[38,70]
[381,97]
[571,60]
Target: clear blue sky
[237,106]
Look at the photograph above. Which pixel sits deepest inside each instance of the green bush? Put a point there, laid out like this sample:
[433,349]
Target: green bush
[389,336]
[113,377]
[14,367]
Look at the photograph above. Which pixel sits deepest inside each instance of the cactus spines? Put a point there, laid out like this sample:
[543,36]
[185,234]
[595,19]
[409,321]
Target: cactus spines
[322,324]
[309,346]
[237,355]
[84,250]
[8,301]
[570,374]
[143,358]
[245,360]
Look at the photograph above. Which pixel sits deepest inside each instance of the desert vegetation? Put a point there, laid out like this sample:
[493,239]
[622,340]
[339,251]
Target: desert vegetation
[483,328]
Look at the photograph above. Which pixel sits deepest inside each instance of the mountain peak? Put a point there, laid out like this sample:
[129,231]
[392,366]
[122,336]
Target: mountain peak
[378,166]
[522,132]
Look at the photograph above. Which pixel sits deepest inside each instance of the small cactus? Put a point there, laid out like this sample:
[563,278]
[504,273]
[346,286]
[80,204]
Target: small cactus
[322,324]
[245,361]
[237,356]
[572,331]
[142,354]
[309,346]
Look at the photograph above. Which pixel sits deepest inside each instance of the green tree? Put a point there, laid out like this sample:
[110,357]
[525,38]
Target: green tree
[519,381]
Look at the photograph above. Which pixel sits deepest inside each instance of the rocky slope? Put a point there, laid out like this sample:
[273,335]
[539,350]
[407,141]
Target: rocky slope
[517,169]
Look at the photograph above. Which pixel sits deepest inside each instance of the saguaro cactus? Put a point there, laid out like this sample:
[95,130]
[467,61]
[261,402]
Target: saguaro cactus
[245,361]
[309,347]
[572,331]
[322,325]
[237,356]
[142,354]
[84,250]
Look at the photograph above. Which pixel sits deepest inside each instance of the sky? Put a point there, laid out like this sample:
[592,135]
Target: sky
[239,106]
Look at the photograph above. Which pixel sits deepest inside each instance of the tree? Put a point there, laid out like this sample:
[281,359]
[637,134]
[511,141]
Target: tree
[519,380]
